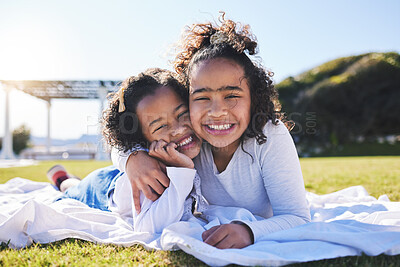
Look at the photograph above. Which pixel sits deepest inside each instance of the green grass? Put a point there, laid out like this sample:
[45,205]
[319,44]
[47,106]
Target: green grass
[379,175]
[362,149]
[82,253]
[80,168]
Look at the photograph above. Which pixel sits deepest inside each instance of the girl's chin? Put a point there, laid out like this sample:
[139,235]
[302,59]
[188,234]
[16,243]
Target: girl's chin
[191,153]
[192,149]
[220,142]
[223,143]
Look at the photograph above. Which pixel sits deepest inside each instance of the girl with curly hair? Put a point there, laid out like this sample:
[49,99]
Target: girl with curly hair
[149,110]
[248,159]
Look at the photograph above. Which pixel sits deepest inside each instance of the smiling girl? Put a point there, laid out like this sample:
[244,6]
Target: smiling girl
[151,110]
[249,159]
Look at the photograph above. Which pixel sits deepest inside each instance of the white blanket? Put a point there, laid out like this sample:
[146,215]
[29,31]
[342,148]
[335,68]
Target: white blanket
[345,223]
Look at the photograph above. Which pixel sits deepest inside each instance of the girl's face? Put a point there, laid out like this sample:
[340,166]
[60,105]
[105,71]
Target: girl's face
[164,116]
[219,102]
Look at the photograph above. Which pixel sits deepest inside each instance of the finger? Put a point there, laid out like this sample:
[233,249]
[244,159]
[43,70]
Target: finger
[216,237]
[208,232]
[171,149]
[158,153]
[164,153]
[152,146]
[136,199]
[173,145]
[156,185]
[160,146]
[149,194]
[159,150]
[162,179]
[226,242]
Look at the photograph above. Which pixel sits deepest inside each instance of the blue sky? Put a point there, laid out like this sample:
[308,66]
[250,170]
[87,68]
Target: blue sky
[106,39]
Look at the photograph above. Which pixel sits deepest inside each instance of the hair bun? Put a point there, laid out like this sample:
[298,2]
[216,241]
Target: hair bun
[200,35]
[219,38]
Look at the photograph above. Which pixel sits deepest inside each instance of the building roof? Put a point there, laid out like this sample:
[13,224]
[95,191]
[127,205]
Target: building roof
[47,90]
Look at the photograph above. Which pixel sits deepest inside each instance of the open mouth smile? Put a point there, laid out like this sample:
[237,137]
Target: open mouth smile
[219,129]
[186,142]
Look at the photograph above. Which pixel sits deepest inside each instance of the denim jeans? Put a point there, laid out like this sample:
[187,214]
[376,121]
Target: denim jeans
[94,190]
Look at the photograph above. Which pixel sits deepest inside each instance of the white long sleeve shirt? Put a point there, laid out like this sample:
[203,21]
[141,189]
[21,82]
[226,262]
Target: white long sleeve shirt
[173,205]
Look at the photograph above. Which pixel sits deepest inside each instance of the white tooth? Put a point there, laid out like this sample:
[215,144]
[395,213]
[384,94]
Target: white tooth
[220,127]
[186,141]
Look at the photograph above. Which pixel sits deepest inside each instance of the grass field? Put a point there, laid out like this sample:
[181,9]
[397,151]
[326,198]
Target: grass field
[379,175]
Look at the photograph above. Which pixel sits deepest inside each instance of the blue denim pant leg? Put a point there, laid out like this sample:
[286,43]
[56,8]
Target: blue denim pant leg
[94,190]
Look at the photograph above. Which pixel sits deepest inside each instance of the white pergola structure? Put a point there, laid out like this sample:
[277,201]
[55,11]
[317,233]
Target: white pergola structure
[48,90]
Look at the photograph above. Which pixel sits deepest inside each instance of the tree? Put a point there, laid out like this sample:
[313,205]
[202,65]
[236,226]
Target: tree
[21,136]
[350,97]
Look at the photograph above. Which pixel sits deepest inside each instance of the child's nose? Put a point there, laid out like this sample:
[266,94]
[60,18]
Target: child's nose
[178,129]
[217,109]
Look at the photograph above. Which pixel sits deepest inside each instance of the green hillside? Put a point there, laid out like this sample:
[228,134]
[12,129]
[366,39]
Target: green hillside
[346,101]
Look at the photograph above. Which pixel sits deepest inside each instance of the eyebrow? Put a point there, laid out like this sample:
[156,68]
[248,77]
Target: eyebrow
[225,88]
[157,120]
[178,107]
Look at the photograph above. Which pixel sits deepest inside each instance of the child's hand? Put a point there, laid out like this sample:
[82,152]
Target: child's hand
[169,155]
[228,236]
[146,174]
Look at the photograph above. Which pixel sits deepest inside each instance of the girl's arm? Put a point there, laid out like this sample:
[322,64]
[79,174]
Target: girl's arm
[283,182]
[120,158]
[145,174]
[167,209]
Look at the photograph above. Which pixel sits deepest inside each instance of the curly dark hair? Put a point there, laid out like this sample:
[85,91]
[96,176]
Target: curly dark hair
[122,129]
[237,44]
